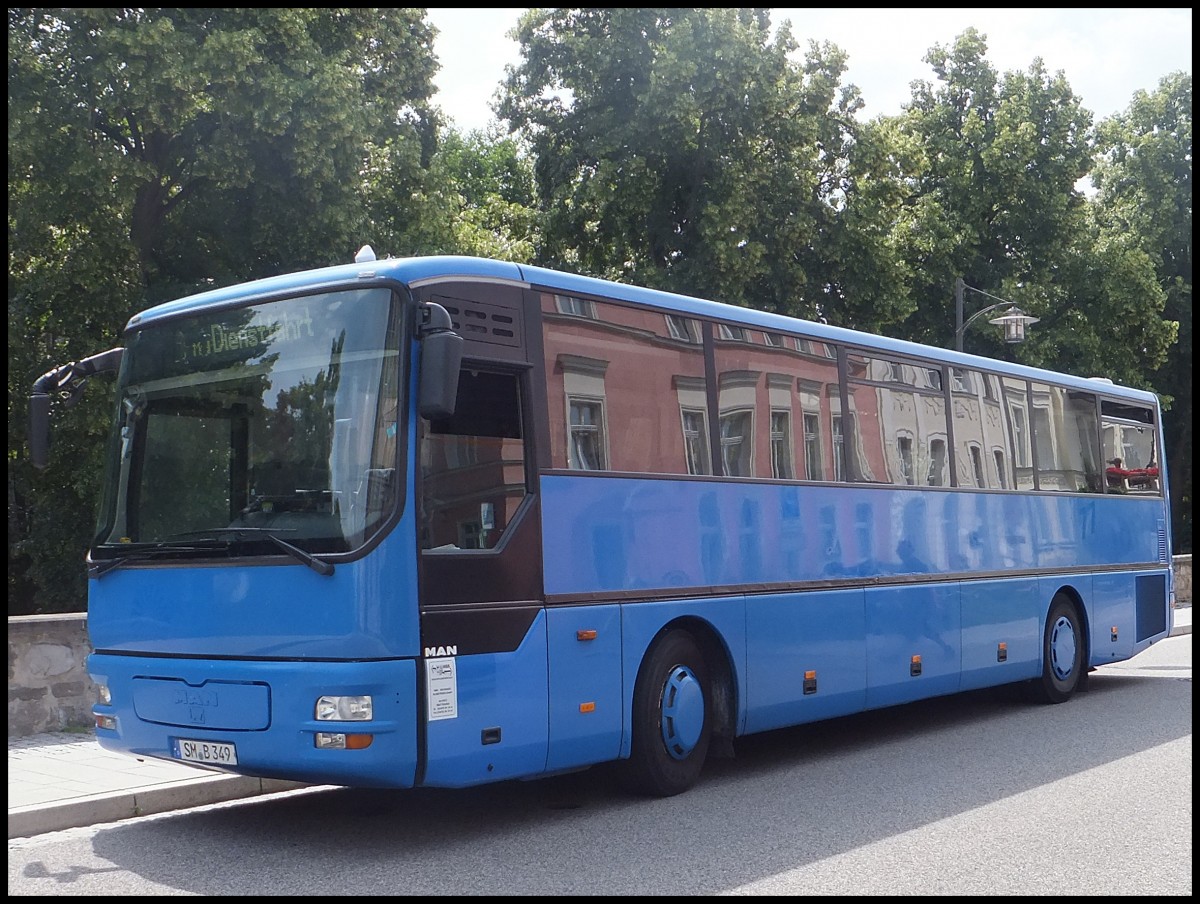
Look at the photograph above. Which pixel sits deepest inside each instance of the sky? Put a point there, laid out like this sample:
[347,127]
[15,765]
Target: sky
[1105,54]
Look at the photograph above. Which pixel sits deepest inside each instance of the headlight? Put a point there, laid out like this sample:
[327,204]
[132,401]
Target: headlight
[103,694]
[345,709]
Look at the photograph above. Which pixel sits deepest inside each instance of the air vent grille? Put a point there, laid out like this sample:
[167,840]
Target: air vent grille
[477,321]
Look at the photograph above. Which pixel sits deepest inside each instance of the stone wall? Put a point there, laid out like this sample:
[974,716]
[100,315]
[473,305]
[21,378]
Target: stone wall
[1183,579]
[49,690]
[48,685]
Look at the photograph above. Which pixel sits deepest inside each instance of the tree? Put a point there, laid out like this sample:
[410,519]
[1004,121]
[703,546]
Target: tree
[684,149]
[476,198]
[154,151]
[1143,177]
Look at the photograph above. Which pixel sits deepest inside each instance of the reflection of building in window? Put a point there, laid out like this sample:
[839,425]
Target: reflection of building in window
[583,384]
[848,433]
[977,465]
[1084,440]
[810,403]
[1014,394]
[683,328]
[470,535]
[839,443]
[642,366]
[586,447]
[937,463]
[737,402]
[578,307]
[781,444]
[460,454]
[979,424]
[811,347]
[812,446]
[1066,436]
[693,409]
[736,333]
[892,400]
[737,443]
[695,440]
[1044,445]
[472,465]
[779,390]
[904,449]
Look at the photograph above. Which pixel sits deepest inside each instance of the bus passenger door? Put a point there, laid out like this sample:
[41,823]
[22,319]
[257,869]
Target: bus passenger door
[483,627]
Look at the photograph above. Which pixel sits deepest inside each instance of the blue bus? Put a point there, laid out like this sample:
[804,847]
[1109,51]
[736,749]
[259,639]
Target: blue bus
[443,521]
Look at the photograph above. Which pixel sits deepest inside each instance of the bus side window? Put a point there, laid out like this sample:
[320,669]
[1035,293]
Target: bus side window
[473,465]
[1130,448]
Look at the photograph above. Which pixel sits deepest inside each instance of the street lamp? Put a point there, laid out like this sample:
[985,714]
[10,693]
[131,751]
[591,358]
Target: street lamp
[1013,320]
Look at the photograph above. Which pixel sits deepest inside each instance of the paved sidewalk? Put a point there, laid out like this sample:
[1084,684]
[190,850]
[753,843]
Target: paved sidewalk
[65,780]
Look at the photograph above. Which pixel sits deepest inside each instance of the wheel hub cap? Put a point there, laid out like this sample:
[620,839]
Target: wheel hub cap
[682,712]
[1062,649]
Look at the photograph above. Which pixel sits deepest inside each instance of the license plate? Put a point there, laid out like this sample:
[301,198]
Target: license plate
[214,753]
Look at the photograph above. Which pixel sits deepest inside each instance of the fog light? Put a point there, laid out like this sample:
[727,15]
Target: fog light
[108,723]
[345,709]
[332,740]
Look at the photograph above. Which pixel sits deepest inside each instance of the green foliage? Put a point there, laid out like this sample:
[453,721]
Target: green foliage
[686,149]
[476,198]
[996,202]
[157,151]
[1144,182]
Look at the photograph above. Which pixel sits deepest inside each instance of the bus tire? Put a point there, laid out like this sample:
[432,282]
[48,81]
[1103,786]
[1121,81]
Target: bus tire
[1063,645]
[671,719]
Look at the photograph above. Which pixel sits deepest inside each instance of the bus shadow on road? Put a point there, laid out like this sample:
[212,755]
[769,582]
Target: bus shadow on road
[789,797]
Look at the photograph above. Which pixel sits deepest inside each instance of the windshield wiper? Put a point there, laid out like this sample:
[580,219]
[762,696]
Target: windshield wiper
[137,552]
[318,565]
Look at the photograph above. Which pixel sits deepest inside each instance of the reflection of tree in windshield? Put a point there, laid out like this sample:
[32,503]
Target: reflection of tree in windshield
[297,434]
[252,417]
[189,434]
[186,470]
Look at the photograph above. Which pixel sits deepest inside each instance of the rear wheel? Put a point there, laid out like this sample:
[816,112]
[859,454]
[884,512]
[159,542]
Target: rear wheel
[672,718]
[1062,654]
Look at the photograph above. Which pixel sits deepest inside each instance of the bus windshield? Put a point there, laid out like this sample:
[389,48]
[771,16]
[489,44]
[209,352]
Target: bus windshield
[250,425]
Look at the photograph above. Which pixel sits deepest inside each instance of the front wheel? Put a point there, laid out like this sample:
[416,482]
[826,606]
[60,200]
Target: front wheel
[672,718]
[1062,655]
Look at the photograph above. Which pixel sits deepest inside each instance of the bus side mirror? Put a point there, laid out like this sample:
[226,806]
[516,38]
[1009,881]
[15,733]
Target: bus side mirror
[441,360]
[67,383]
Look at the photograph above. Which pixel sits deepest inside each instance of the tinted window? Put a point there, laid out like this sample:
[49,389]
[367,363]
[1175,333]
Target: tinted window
[626,389]
[898,413]
[980,434]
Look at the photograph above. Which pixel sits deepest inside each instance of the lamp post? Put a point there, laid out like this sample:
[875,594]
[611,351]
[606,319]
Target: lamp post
[1014,320]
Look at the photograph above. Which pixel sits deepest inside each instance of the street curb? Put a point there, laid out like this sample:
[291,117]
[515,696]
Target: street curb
[37,819]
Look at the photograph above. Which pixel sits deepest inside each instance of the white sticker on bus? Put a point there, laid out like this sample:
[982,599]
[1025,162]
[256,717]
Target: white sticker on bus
[441,689]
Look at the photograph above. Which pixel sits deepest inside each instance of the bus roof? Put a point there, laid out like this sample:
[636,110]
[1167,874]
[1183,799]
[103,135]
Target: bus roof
[416,271]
